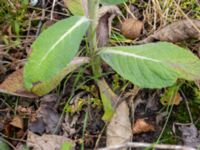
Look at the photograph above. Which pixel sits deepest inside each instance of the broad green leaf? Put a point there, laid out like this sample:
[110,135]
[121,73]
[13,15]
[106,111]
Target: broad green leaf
[51,53]
[153,65]
[113,2]
[75,6]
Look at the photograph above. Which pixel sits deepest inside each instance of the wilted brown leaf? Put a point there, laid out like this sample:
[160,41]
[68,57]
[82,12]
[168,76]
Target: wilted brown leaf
[189,135]
[141,126]
[175,32]
[17,122]
[13,85]
[106,15]
[171,96]
[50,142]
[46,117]
[175,100]
[119,127]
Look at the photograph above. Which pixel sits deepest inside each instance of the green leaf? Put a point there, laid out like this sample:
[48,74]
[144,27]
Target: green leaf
[108,98]
[153,65]
[113,2]
[51,53]
[3,145]
[66,146]
[75,7]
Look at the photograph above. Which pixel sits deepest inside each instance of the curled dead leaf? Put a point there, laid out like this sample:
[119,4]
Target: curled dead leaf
[50,142]
[171,96]
[131,28]
[175,32]
[14,85]
[141,126]
[46,117]
[175,100]
[17,122]
[105,18]
[119,128]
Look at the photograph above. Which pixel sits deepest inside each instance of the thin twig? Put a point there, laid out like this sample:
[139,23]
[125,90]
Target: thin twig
[145,145]
[52,9]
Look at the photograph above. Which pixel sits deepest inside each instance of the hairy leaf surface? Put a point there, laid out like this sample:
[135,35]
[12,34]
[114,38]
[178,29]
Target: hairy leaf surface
[153,65]
[52,51]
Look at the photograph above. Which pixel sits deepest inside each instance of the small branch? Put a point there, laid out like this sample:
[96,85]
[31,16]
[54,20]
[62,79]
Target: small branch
[145,145]
[52,9]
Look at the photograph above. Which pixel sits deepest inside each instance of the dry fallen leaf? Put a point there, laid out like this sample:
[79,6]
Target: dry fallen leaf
[131,28]
[171,96]
[190,135]
[119,128]
[106,15]
[13,85]
[47,117]
[177,31]
[50,142]
[17,122]
[141,126]
[176,99]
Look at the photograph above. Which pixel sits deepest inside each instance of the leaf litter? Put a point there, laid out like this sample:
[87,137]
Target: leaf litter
[176,32]
[73,126]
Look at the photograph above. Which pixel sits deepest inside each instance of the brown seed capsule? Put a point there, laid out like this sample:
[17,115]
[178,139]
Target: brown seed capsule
[131,28]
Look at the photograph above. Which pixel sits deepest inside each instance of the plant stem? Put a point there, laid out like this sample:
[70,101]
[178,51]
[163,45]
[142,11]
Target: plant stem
[93,7]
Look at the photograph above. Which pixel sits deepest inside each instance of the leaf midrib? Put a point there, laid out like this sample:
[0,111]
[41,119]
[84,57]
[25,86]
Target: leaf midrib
[82,20]
[131,55]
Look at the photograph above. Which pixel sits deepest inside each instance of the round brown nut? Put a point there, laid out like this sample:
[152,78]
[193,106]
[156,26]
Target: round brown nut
[131,28]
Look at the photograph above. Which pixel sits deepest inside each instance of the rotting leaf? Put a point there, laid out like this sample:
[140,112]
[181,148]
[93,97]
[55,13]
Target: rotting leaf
[119,128]
[141,126]
[175,32]
[171,96]
[17,122]
[106,16]
[46,116]
[50,142]
[190,135]
[13,85]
